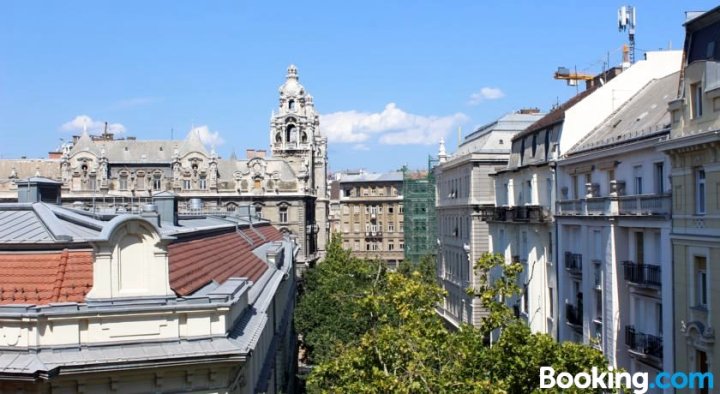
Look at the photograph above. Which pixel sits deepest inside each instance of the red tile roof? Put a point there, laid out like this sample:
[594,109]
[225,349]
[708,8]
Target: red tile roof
[196,262]
[66,276]
[45,277]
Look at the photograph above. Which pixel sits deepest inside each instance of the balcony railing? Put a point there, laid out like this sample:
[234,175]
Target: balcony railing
[517,213]
[638,205]
[573,263]
[573,315]
[373,234]
[642,274]
[642,343]
[654,204]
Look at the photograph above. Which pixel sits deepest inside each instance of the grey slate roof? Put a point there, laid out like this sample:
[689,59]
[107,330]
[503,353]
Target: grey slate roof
[645,115]
[393,176]
[496,136]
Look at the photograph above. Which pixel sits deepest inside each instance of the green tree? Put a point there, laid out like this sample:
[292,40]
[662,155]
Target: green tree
[328,312]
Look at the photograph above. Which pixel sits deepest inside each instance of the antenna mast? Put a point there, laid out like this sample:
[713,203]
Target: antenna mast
[626,22]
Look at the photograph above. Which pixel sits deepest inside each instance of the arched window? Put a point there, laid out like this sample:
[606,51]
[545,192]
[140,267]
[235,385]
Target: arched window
[291,105]
[291,134]
[303,139]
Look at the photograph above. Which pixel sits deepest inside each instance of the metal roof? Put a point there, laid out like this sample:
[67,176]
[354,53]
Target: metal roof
[393,176]
[643,116]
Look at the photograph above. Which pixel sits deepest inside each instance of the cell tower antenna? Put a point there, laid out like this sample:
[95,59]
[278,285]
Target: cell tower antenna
[626,22]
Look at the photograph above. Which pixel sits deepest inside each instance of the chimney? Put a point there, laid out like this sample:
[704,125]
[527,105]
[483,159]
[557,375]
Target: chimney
[54,155]
[149,212]
[250,154]
[529,111]
[260,153]
[37,189]
[166,204]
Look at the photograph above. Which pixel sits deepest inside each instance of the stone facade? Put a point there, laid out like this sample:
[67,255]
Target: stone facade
[694,150]
[289,188]
[369,215]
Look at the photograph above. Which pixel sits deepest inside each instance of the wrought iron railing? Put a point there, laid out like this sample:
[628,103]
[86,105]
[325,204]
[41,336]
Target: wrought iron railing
[640,342]
[642,274]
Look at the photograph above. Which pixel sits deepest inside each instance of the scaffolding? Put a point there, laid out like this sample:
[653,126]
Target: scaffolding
[419,213]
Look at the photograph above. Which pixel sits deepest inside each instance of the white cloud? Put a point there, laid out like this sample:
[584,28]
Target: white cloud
[393,126]
[81,122]
[486,93]
[209,138]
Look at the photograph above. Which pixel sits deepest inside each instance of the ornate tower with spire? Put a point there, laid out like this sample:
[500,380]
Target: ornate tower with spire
[295,137]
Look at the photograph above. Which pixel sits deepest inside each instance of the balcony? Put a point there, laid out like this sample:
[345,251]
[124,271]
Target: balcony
[493,214]
[643,205]
[636,205]
[573,316]
[517,213]
[528,213]
[646,275]
[573,263]
[373,234]
[643,344]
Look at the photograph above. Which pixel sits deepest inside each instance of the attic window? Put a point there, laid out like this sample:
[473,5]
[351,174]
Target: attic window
[500,142]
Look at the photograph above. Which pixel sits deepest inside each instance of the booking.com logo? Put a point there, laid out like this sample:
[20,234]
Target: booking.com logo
[639,382]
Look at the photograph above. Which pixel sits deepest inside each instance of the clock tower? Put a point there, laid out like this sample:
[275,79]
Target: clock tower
[295,138]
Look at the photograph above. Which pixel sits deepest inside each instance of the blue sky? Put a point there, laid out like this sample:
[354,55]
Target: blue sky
[389,77]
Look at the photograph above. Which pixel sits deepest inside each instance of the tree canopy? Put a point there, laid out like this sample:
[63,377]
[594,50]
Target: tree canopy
[374,331]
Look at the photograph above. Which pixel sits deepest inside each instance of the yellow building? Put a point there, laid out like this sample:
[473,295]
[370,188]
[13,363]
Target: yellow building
[694,150]
[369,215]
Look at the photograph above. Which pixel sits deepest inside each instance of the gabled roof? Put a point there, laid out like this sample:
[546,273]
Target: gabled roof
[197,262]
[556,115]
[645,115]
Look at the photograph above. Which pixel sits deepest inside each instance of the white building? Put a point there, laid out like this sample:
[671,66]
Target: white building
[613,226]
[463,186]
[142,303]
[522,225]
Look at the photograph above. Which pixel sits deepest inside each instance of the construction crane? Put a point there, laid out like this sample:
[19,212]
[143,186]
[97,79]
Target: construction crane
[572,78]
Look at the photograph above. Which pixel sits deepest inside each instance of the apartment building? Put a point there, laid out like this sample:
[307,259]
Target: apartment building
[694,151]
[369,214]
[156,302]
[613,225]
[522,222]
[463,186]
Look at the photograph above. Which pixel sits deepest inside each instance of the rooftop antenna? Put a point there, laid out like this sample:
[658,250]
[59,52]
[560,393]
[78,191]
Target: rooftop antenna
[627,22]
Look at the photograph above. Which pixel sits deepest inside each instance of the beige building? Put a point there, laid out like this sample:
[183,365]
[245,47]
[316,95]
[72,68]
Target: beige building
[694,150]
[154,303]
[288,188]
[369,214]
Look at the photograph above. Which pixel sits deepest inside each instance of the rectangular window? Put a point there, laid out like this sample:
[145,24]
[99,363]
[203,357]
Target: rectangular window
[356,245]
[356,209]
[402,210]
[701,290]
[283,215]
[140,183]
[391,227]
[92,184]
[551,302]
[186,184]
[157,182]
[202,183]
[640,247]
[696,100]
[637,173]
[391,246]
[402,246]
[659,178]
[700,191]
[123,182]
